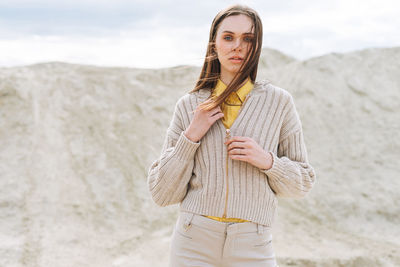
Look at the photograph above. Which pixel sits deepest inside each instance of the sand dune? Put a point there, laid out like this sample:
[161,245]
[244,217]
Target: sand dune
[76,143]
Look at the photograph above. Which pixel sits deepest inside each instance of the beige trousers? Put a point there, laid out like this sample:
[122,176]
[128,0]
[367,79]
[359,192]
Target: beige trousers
[201,241]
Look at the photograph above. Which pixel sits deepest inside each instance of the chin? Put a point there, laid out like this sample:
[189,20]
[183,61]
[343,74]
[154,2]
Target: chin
[234,70]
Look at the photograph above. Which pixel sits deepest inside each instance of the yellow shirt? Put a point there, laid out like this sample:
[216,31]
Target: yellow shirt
[235,98]
[230,110]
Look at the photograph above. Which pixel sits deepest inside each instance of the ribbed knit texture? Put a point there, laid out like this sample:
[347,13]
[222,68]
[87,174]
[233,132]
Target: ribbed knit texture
[235,100]
[193,174]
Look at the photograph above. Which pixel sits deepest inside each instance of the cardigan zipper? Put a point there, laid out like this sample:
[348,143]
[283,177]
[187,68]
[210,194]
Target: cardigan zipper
[227,137]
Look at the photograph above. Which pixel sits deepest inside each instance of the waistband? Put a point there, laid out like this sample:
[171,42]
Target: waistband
[189,218]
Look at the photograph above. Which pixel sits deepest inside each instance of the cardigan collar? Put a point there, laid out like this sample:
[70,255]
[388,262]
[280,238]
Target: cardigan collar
[241,92]
[259,87]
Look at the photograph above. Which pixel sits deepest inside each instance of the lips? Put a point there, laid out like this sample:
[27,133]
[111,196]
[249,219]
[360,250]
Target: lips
[236,58]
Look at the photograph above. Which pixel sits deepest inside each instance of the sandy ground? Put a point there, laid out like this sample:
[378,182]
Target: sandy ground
[77,141]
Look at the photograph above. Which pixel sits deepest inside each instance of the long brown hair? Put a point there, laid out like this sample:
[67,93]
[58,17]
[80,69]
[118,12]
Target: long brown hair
[211,70]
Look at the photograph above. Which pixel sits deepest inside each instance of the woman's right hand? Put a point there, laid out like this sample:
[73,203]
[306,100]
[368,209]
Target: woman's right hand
[201,122]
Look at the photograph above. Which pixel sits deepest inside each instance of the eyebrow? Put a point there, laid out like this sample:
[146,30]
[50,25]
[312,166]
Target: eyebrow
[247,33]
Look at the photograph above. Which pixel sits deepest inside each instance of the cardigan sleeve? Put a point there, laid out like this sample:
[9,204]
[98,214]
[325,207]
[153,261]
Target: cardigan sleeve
[169,175]
[291,175]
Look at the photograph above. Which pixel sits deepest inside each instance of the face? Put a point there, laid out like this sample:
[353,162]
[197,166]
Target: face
[232,43]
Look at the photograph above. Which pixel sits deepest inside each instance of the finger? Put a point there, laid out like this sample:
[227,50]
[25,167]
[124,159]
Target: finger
[239,157]
[217,114]
[216,117]
[239,145]
[205,102]
[214,110]
[221,115]
[236,138]
[237,151]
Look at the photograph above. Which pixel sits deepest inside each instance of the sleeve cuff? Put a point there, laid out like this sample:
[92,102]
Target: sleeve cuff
[185,148]
[277,169]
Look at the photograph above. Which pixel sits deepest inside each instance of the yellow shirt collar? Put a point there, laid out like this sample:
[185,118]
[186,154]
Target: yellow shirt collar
[242,92]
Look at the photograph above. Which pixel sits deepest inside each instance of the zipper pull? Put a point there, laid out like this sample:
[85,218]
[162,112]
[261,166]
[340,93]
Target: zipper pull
[228,135]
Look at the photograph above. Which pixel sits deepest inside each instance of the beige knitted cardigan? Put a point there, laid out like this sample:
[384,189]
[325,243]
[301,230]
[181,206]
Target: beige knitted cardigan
[204,180]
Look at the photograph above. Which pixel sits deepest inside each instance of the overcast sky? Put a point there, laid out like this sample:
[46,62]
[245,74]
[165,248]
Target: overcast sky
[155,34]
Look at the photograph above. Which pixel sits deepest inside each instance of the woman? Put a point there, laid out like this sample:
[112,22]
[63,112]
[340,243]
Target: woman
[233,146]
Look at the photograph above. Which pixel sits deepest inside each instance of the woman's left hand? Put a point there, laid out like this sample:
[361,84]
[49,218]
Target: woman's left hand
[246,149]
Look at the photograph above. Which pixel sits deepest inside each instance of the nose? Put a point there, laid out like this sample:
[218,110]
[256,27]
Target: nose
[237,44]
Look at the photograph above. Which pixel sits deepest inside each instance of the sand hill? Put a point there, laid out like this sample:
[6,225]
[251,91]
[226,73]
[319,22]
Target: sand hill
[77,141]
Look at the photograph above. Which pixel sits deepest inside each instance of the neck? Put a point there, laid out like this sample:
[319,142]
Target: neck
[227,80]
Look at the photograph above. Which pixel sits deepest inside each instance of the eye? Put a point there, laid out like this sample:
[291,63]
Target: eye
[228,38]
[248,39]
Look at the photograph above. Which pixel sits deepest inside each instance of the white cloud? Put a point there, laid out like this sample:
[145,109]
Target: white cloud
[156,49]
[168,36]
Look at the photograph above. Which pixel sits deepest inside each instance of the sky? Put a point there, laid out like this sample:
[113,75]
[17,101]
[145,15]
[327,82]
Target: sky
[167,33]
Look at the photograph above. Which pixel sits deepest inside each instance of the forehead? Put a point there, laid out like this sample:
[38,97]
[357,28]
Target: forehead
[238,24]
